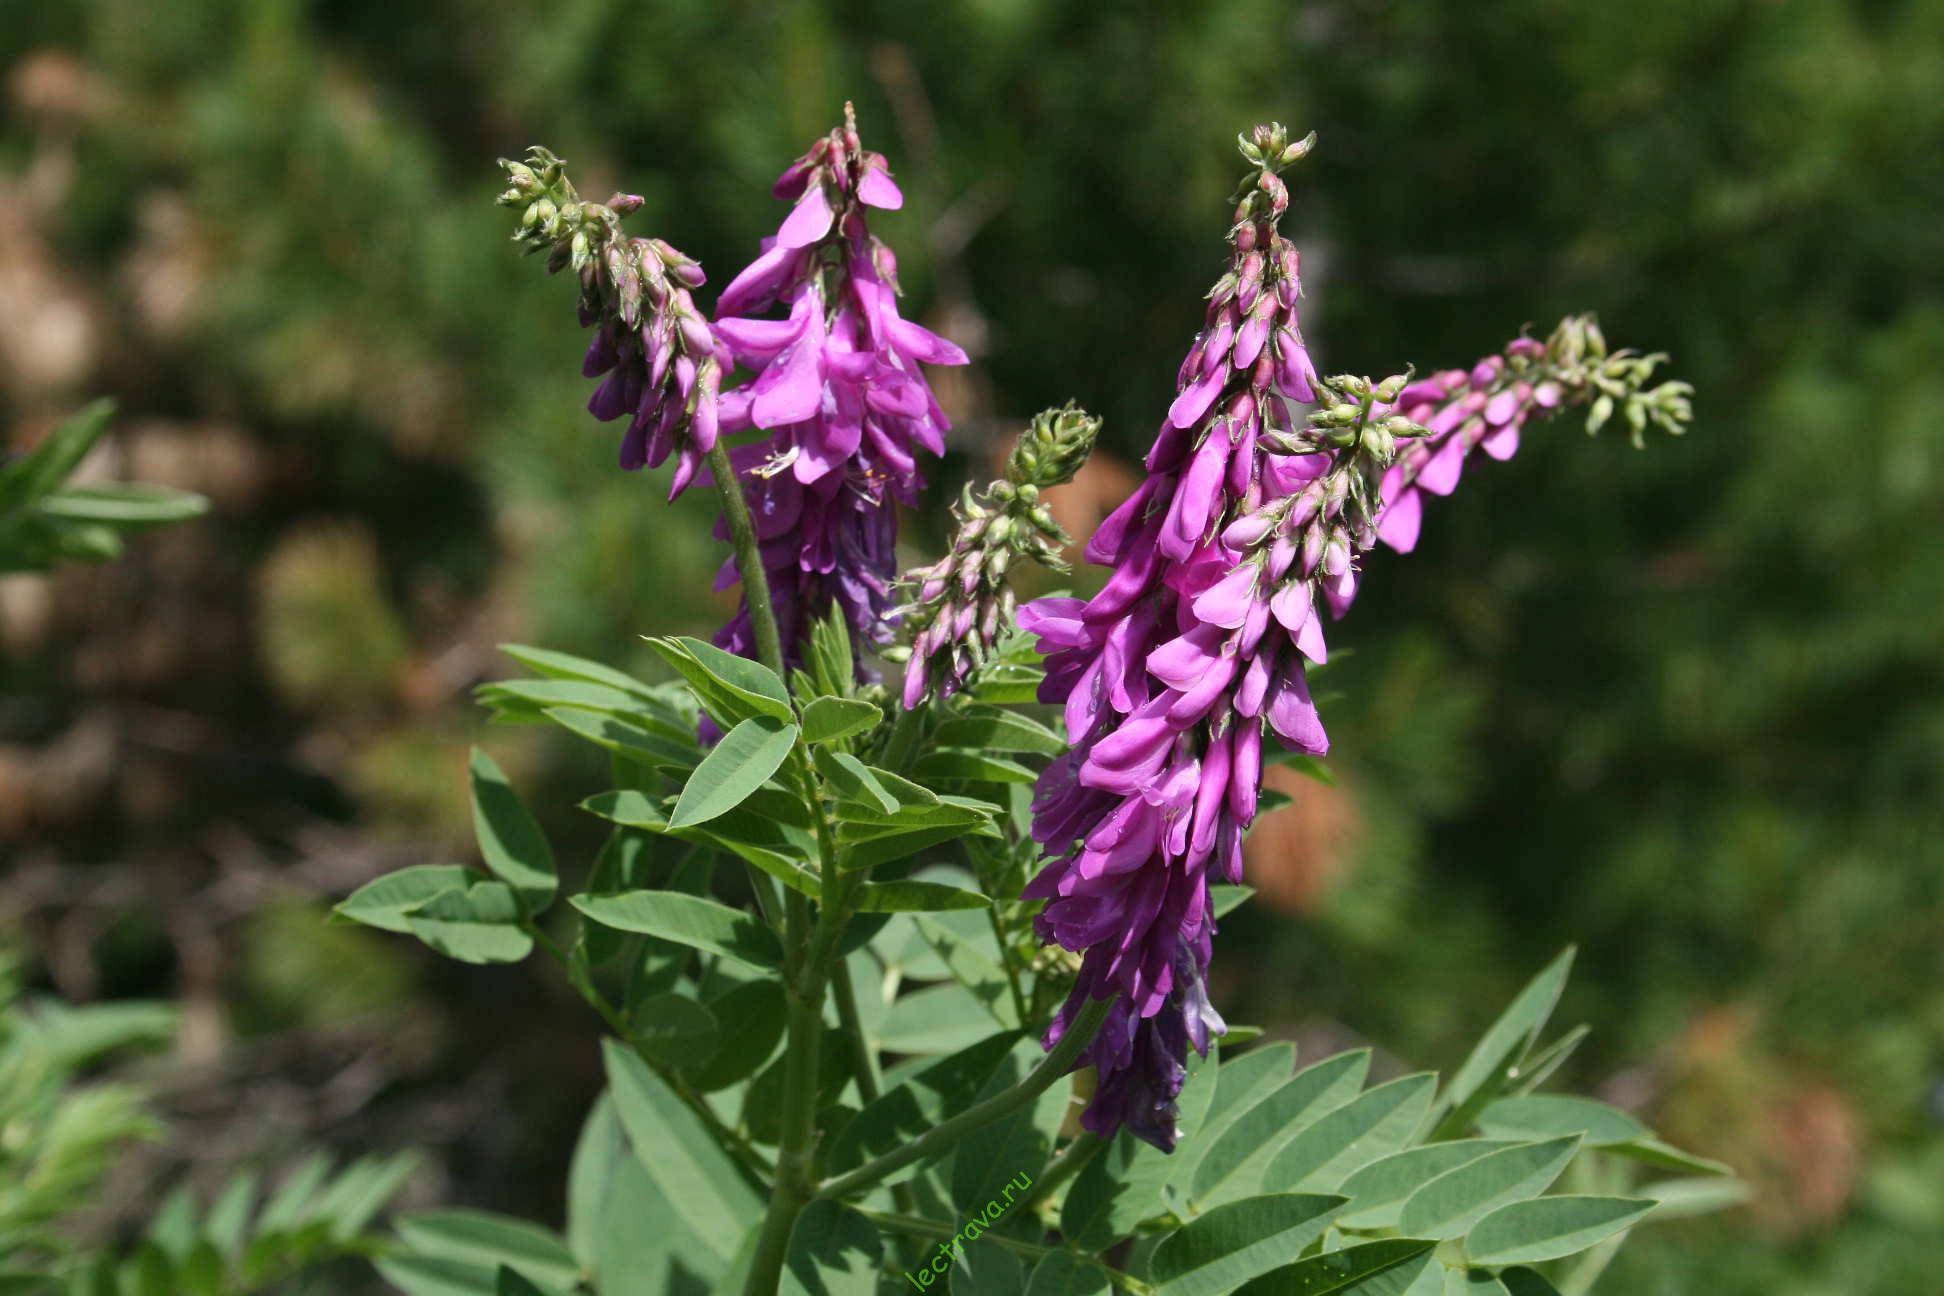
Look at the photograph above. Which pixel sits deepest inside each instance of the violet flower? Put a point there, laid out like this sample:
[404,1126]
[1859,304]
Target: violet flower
[838,386]
[1165,689]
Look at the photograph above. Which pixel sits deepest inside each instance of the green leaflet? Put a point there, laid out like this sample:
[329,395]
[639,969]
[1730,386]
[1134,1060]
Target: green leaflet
[383,902]
[916,897]
[1378,1191]
[485,1238]
[730,688]
[833,1251]
[831,719]
[510,841]
[1488,1069]
[1235,1163]
[1543,1116]
[1547,1228]
[1239,1240]
[742,762]
[1447,1206]
[479,924]
[681,1157]
[690,920]
[1384,1268]
[1377,1123]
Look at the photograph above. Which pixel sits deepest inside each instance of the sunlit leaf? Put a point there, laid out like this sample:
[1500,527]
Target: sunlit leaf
[689,920]
[383,902]
[742,762]
[1447,1206]
[1239,1240]
[1528,1232]
[480,924]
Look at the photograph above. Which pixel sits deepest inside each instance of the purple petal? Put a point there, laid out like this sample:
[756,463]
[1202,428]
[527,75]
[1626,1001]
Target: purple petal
[920,343]
[1193,402]
[878,189]
[1226,603]
[1398,525]
[807,222]
[1182,660]
[1440,475]
[1292,605]
[758,284]
[757,341]
[1293,715]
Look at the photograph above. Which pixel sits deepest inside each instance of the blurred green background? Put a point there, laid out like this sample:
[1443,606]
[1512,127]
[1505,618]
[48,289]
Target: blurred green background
[1684,707]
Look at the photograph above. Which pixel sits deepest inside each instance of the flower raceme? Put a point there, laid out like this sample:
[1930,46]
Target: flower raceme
[836,382]
[662,365]
[1222,565]
[1246,530]
[1486,406]
[1152,800]
[839,388]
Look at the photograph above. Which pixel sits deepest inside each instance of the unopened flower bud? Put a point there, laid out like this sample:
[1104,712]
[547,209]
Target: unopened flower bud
[1053,446]
[1299,150]
[1336,554]
[1314,542]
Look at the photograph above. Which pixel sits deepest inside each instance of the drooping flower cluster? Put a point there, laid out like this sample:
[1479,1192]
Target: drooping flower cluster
[663,366]
[963,601]
[1486,407]
[1165,705]
[838,386]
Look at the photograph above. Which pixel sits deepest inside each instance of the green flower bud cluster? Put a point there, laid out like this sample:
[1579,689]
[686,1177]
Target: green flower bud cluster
[1353,414]
[1614,382]
[617,272]
[1262,198]
[962,603]
[1052,447]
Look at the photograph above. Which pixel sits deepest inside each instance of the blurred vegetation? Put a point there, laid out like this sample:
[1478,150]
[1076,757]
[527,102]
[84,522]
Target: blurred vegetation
[1683,707]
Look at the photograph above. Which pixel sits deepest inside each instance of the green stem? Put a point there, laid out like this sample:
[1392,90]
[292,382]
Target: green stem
[749,558]
[1071,1160]
[810,955]
[939,1137]
[919,1226]
[1006,959]
[870,1081]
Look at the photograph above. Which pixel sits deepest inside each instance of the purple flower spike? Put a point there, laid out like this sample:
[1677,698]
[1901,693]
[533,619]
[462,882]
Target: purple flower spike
[1164,694]
[1487,406]
[660,364]
[839,387]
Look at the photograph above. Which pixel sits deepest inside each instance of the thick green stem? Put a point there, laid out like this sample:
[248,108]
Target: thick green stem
[939,1137]
[810,955]
[749,558]
[870,1082]
[1071,1160]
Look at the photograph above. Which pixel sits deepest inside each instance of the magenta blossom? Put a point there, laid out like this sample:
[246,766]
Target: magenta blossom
[1166,685]
[839,388]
